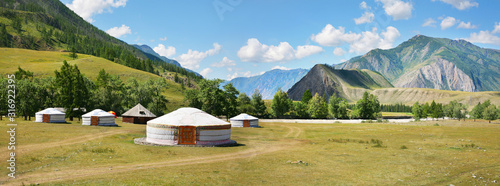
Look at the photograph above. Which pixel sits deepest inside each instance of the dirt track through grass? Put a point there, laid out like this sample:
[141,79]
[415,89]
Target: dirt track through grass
[85,172]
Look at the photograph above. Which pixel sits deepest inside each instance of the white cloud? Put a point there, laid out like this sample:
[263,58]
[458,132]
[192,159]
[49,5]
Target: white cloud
[338,51]
[87,8]
[205,72]
[461,4]
[448,22]
[240,74]
[398,9]
[359,43]
[363,5]
[164,51]
[497,28]
[225,62]
[193,58]
[119,31]
[280,67]
[429,22]
[257,52]
[485,37]
[467,25]
[307,50]
[367,17]
[330,36]
[163,38]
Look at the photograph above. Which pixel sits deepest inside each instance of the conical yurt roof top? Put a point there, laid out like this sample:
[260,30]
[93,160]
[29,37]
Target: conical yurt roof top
[136,112]
[243,116]
[188,116]
[50,111]
[98,112]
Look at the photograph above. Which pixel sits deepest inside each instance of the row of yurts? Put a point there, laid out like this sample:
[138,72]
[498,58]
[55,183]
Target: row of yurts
[184,126]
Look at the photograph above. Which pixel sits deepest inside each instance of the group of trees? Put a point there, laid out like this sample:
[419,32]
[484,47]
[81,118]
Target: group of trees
[317,107]
[485,111]
[398,107]
[76,93]
[434,110]
[228,102]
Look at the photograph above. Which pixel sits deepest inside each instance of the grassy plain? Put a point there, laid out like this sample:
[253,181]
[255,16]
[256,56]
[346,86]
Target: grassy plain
[435,152]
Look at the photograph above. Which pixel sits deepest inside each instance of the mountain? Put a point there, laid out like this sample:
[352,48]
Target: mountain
[348,84]
[437,63]
[269,82]
[148,50]
[51,26]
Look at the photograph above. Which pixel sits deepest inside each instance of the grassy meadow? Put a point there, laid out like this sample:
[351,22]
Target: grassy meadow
[416,153]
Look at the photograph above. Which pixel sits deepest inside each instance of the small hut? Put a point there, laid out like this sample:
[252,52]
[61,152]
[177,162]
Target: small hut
[244,120]
[50,115]
[99,117]
[188,126]
[137,115]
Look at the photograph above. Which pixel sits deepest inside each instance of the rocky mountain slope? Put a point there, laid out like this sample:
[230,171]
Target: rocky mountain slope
[348,84]
[438,63]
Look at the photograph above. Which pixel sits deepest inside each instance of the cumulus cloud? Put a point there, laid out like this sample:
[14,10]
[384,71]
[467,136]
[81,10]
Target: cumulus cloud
[330,36]
[338,51]
[193,58]
[461,4]
[240,74]
[398,9]
[119,31]
[163,38]
[363,5]
[485,37]
[429,22]
[367,17]
[225,62]
[87,8]
[280,67]
[164,51]
[497,28]
[467,25]
[448,22]
[205,72]
[255,51]
[359,43]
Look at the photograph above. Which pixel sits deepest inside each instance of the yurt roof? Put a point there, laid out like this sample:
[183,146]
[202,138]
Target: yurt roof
[139,111]
[243,116]
[188,116]
[98,112]
[50,111]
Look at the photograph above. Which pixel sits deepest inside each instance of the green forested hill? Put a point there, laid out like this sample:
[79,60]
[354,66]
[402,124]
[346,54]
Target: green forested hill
[49,25]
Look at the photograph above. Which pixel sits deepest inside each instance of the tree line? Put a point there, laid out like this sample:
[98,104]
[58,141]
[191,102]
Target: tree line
[77,94]
[456,110]
[485,111]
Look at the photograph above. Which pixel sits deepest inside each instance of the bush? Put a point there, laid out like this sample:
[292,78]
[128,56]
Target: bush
[436,124]
[404,147]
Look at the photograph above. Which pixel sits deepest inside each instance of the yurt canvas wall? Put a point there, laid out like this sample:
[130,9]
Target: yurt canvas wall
[98,117]
[244,120]
[50,115]
[188,126]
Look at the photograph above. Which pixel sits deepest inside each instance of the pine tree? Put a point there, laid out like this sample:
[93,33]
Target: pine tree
[231,100]
[257,103]
[306,96]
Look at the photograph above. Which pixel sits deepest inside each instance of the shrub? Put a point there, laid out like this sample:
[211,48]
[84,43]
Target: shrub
[404,147]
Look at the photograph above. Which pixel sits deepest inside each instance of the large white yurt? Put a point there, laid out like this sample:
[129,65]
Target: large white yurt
[244,120]
[188,126]
[99,117]
[50,115]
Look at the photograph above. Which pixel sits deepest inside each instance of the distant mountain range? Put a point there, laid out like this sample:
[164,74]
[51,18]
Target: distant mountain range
[348,84]
[438,63]
[269,82]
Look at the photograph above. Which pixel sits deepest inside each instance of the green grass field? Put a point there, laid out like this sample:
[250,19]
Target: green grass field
[44,63]
[450,152]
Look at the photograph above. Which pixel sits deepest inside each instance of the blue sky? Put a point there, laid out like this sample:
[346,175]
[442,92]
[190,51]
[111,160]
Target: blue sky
[237,38]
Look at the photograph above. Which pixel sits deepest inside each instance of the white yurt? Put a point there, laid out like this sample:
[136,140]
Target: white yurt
[99,117]
[244,120]
[188,126]
[50,115]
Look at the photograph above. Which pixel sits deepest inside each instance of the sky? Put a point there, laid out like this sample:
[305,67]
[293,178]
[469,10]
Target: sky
[240,38]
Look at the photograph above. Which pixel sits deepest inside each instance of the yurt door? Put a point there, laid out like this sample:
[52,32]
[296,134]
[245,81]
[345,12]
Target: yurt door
[187,135]
[46,118]
[246,123]
[94,120]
